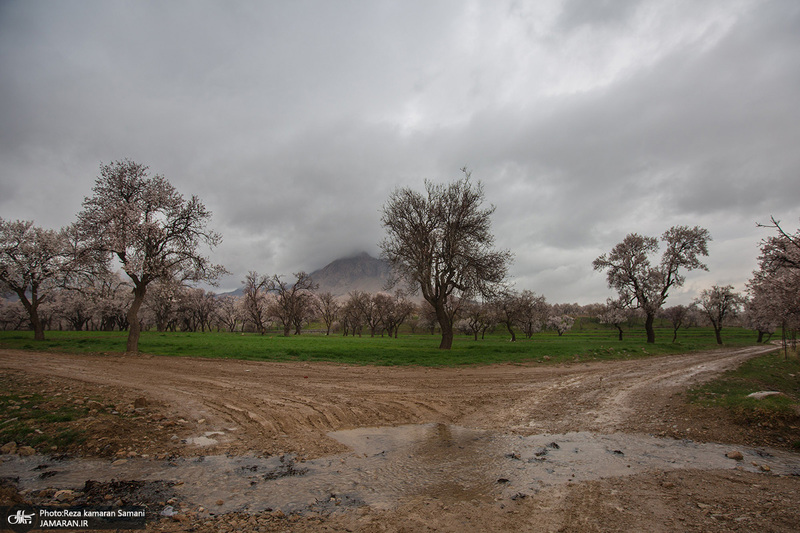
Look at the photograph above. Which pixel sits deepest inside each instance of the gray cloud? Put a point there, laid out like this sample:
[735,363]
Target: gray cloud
[294,121]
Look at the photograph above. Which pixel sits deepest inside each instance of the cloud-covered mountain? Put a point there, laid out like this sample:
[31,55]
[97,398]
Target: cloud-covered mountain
[361,272]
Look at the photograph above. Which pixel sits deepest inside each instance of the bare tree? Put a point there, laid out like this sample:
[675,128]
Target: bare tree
[397,310]
[676,316]
[719,304]
[476,319]
[531,312]
[227,312]
[640,284]
[427,317]
[369,309]
[328,308]
[472,314]
[441,243]
[201,306]
[150,228]
[293,303]
[254,300]
[33,263]
[507,309]
[352,318]
[163,302]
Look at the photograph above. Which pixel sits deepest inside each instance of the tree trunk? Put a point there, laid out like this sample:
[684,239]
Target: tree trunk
[620,332]
[718,333]
[134,326]
[32,307]
[648,326]
[447,337]
[36,323]
[760,337]
[446,326]
[511,331]
[674,334]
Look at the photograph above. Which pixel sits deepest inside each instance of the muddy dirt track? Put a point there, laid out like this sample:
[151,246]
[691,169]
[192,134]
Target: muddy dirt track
[241,408]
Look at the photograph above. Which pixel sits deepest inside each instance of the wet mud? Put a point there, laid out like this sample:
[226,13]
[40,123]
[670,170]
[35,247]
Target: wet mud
[384,467]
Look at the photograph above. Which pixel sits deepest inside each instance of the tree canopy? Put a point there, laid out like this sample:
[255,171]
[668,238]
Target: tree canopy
[33,262]
[642,285]
[150,228]
[440,243]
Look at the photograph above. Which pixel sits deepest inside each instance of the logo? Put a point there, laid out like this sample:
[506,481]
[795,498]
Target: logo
[20,519]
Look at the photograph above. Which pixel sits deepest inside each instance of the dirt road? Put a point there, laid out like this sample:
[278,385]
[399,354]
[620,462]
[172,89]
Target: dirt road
[240,407]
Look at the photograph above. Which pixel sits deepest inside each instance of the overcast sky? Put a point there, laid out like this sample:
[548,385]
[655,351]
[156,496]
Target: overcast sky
[293,121]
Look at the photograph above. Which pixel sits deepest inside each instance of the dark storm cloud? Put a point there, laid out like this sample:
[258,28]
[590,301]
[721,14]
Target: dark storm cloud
[294,121]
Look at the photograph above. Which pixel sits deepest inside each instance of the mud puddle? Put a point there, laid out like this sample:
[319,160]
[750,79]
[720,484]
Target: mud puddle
[389,464]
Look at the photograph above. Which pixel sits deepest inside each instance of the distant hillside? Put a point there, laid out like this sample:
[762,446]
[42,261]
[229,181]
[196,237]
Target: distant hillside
[361,272]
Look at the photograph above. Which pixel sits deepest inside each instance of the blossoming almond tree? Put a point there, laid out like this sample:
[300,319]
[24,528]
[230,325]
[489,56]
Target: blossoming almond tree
[642,285]
[33,263]
[719,303]
[150,228]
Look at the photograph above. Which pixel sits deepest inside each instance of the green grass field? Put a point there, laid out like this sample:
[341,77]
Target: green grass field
[591,342]
[771,372]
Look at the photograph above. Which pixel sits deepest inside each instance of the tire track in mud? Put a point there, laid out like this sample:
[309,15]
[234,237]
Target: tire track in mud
[273,407]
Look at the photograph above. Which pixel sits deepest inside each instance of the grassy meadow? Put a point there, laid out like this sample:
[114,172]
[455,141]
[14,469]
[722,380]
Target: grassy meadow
[589,341]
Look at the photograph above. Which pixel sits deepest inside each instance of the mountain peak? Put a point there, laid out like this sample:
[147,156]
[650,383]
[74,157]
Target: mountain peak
[359,272]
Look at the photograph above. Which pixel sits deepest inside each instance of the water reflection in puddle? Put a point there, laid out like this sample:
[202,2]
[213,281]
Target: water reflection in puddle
[389,464]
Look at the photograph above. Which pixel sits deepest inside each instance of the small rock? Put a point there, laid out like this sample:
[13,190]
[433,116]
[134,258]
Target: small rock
[140,403]
[220,502]
[119,462]
[735,455]
[760,395]
[24,451]
[9,448]
[168,511]
[765,468]
[64,495]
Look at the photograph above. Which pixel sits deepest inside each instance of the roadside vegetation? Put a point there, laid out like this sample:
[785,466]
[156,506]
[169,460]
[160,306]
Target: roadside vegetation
[774,372]
[44,422]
